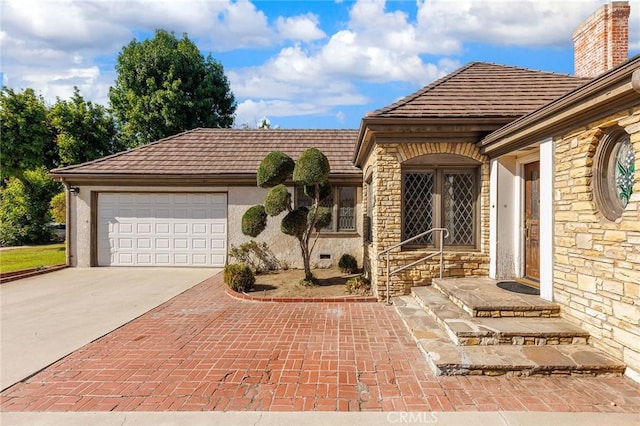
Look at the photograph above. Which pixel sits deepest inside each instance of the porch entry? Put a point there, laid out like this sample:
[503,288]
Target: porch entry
[532,221]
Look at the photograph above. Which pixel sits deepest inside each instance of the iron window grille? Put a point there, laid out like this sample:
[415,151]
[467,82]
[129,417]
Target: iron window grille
[440,198]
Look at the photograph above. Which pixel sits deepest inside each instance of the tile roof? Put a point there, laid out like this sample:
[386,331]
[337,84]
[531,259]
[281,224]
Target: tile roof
[483,90]
[222,152]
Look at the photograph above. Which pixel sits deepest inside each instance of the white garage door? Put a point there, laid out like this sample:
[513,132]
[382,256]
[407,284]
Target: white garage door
[159,229]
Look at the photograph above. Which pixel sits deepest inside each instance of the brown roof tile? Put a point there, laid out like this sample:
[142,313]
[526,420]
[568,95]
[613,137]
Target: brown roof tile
[483,90]
[222,152]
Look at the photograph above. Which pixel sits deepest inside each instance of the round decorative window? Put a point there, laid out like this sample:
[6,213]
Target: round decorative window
[614,169]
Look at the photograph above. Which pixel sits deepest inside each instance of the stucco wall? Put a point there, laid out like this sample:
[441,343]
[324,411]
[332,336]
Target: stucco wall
[239,199]
[597,261]
[386,161]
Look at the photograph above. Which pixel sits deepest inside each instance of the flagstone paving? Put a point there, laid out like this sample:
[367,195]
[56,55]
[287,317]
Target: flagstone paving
[204,350]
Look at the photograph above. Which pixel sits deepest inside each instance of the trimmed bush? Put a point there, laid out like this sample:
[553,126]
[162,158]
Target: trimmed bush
[239,277]
[277,200]
[347,264]
[312,168]
[254,221]
[274,169]
[295,222]
[324,218]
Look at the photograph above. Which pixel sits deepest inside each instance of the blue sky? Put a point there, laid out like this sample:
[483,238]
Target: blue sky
[301,64]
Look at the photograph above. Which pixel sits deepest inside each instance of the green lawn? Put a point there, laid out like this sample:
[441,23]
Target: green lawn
[31,257]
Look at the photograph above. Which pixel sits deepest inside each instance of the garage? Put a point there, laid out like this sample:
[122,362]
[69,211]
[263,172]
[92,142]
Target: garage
[162,229]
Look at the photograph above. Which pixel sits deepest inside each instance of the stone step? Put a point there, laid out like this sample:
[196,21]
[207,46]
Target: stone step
[446,358]
[481,297]
[464,329]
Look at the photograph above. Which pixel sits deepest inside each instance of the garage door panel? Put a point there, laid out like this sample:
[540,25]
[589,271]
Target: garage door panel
[162,229]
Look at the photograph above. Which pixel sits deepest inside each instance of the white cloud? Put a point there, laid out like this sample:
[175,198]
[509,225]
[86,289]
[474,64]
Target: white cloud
[300,28]
[508,22]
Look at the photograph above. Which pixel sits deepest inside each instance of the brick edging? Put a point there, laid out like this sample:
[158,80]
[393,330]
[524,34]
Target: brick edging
[336,299]
[26,273]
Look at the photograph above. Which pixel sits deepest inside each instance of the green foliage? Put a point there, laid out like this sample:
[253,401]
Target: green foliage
[323,220]
[24,208]
[26,142]
[257,255]
[165,86]
[274,169]
[239,277]
[277,200]
[347,264]
[85,131]
[254,220]
[295,222]
[58,208]
[359,285]
[325,191]
[312,168]
[21,258]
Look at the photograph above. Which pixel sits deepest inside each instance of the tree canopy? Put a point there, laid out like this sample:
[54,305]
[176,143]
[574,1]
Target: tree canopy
[165,86]
[26,141]
[84,131]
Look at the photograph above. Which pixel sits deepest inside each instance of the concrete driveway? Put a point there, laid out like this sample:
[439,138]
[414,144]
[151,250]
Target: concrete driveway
[47,317]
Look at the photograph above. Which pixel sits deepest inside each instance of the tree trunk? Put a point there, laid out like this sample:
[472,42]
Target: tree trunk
[308,276]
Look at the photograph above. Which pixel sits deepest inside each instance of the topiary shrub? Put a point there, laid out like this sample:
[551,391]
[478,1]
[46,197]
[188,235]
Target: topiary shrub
[239,277]
[274,169]
[347,264]
[312,168]
[277,200]
[323,220]
[254,221]
[295,222]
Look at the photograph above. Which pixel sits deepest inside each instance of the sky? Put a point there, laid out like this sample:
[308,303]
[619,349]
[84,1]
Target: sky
[301,64]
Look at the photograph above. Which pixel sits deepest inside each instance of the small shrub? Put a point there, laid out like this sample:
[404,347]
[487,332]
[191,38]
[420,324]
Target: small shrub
[239,277]
[358,285]
[258,256]
[347,264]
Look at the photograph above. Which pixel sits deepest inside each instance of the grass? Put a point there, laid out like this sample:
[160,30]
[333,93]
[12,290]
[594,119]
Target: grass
[31,257]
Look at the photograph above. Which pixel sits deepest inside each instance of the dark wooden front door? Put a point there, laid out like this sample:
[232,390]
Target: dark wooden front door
[532,220]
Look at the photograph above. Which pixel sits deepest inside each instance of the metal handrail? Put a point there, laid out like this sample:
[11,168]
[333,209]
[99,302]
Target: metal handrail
[444,233]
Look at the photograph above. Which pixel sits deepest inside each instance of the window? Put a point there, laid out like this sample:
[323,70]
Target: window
[368,232]
[342,203]
[440,198]
[614,168]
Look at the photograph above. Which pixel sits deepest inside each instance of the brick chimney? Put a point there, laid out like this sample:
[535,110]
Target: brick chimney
[602,41]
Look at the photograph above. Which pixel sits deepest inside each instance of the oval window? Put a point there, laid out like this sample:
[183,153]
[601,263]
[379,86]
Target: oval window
[614,169]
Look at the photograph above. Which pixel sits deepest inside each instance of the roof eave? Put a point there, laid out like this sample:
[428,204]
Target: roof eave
[585,104]
[372,126]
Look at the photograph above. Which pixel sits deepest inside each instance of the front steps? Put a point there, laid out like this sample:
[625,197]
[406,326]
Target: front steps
[497,332]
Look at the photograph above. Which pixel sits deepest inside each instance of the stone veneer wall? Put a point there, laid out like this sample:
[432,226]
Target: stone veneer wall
[597,261]
[386,161]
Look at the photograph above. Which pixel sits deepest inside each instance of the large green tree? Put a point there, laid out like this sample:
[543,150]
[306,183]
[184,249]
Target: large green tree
[165,86]
[84,131]
[26,141]
[24,208]
[311,172]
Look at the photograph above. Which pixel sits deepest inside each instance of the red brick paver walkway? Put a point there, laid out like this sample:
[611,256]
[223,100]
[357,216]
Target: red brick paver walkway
[204,350]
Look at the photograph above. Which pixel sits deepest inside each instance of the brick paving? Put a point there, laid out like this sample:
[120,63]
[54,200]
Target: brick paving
[204,350]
